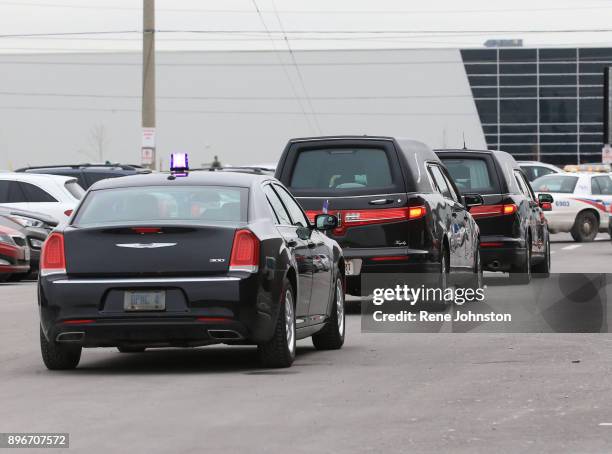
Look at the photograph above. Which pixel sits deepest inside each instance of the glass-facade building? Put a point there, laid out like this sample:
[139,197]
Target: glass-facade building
[541,104]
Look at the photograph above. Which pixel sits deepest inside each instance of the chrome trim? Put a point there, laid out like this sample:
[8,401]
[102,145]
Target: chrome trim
[145,245]
[152,280]
[59,337]
[355,196]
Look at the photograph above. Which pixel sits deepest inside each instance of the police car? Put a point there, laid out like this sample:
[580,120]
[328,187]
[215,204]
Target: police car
[581,203]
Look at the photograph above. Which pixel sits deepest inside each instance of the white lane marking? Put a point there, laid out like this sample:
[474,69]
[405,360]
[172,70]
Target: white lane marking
[572,246]
[605,423]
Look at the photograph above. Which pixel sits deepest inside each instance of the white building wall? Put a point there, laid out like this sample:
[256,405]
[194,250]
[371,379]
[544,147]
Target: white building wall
[238,105]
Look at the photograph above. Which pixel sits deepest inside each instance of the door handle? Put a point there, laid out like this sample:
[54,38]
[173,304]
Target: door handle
[292,243]
[380,202]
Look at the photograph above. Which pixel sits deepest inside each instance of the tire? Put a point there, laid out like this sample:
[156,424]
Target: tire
[477,280]
[585,227]
[521,275]
[542,269]
[131,349]
[331,337]
[280,350]
[439,306]
[57,356]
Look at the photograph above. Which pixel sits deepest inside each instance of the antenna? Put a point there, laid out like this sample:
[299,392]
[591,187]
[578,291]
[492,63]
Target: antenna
[464,146]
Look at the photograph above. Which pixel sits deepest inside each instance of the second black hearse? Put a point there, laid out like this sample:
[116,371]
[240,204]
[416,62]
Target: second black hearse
[398,209]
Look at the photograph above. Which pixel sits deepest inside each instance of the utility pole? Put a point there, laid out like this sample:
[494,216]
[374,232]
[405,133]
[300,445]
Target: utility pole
[148,85]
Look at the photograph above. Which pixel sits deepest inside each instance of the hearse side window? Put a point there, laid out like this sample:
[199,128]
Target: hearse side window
[450,186]
[342,168]
[297,216]
[439,181]
[523,186]
[277,206]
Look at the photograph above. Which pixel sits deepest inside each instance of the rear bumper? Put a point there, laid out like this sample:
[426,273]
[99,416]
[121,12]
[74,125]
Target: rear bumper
[503,254]
[237,307]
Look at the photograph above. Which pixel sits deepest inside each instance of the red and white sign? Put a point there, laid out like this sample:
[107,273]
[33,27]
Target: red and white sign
[148,137]
[146,156]
[606,154]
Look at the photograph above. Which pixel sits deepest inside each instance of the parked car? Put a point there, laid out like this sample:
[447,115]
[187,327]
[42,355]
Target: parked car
[398,209]
[14,253]
[35,227]
[88,174]
[536,169]
[138,266]
[514,233]
[53,195]
[582,203]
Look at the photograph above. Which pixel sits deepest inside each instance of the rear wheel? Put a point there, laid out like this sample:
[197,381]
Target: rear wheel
[477,280]
[58,356]
[522,273]
[542,269]
[331,337]
[442,282]
[280,350]
[585,227]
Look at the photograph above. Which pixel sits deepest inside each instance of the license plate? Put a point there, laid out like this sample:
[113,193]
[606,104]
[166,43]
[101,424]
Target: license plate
[152,300]
[352,267]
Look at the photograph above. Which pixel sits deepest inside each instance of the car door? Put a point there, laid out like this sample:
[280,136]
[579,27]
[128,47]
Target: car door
[12,195]
[535,218]
[300,250]
[601,188]
[457,218]
[321,259]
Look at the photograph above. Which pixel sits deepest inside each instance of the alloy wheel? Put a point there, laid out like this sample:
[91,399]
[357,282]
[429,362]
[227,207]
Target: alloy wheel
[289,321]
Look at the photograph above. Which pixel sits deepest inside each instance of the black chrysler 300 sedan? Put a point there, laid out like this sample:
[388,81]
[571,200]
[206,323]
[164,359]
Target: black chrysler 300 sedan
[399,210]
[162,260]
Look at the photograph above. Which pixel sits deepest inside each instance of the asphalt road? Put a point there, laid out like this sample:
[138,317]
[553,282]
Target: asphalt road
[387,393]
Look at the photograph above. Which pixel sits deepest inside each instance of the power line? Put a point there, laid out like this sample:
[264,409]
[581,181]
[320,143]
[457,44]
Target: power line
[299,72]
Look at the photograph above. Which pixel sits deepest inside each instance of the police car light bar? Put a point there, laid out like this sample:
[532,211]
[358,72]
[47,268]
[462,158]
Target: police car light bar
[179,162]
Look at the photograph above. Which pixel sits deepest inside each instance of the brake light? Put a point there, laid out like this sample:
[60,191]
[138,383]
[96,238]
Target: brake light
[143,230]
[53,258]
[483,211]
[390,258]
[78,322]
[491,244]
[245,252]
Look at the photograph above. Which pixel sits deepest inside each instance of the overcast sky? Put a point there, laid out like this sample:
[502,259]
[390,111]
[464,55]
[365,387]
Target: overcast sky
[438,20]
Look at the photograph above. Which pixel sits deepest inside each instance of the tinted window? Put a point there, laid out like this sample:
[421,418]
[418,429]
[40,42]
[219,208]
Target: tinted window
[347,168]
[10,192]
[439,181]
[602,185]
[471,175]
[297,216]
[523,185]
[188,204]
[74,189]
[277,206]
[35,194]
[555,183]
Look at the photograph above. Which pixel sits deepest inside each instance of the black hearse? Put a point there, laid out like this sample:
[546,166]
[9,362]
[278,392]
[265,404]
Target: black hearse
[514,232]
[398,209]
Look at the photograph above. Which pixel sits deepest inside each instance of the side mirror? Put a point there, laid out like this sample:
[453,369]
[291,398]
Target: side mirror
[325,222]
[472,200]
[545,201]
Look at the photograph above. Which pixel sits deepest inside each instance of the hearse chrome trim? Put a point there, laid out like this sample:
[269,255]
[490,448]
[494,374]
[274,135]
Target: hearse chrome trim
[145,245]
[151,280]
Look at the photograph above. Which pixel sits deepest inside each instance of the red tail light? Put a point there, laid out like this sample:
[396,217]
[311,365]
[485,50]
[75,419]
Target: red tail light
[354,218]
[78,322]
[53,258]
[390,258]
[491,244]
[484,211]
[245,252]
[144,230]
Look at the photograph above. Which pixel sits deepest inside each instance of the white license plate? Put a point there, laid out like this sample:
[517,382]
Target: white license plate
[352,267]
[152,300]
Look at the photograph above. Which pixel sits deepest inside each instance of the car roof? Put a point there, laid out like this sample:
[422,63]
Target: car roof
[18,176]
[194,178]
[537,163]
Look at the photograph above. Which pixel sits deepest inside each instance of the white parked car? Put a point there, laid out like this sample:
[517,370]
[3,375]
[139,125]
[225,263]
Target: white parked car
[581,203]
[537,169]
[53,195]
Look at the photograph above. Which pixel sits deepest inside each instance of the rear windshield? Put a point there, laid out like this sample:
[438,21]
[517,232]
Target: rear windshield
[555,183]
[188,204]
[472,175]
[345,168]
[74,189]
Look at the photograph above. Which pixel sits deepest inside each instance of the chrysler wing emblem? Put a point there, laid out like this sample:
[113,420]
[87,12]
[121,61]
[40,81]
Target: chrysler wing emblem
[145,245]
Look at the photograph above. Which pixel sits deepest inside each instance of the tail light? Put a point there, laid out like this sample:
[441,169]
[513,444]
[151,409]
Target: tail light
[53,258]
[485,211]
[354,218]
[145,230]
[245,252]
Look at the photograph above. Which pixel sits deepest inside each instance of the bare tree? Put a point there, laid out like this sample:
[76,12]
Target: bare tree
[98,140]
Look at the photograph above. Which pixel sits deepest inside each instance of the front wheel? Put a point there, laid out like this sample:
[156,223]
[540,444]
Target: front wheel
[58,356]
[280,350]
[331,337]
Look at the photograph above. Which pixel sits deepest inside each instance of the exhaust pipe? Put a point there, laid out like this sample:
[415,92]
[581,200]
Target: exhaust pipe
[224,334]
[72,336]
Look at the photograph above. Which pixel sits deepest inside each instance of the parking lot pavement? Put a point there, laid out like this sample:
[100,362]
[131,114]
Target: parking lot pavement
[380,393]
[571,257]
